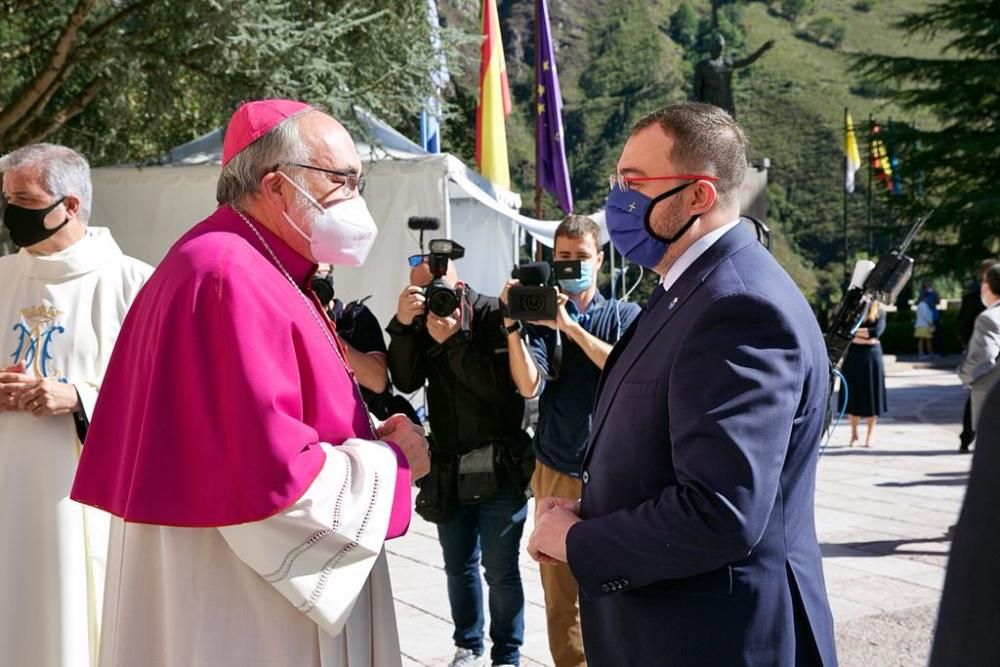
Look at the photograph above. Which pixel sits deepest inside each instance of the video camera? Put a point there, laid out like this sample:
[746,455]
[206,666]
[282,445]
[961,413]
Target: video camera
[537,297]
[442,298]
[870,282]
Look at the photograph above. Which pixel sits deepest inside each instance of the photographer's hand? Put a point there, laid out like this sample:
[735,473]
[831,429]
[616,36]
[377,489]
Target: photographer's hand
[504,294]
[563,321]
[411,304]
[443,328]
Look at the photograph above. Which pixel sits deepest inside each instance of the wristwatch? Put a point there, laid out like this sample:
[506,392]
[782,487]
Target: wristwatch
[514,328]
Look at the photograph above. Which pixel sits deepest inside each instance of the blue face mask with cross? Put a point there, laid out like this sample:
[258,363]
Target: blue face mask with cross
[627,214]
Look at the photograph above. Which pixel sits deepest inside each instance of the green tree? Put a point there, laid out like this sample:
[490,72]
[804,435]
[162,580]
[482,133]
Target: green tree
[684,25]
[794,9]
[126,79]
[956,164]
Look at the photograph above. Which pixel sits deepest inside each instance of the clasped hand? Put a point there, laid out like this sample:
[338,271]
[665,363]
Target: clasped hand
[42,397]
[553,519]
[409,437]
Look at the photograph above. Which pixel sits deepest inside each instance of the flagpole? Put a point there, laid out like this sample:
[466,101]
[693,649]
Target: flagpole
[538,119]
[871,160]
[844,227]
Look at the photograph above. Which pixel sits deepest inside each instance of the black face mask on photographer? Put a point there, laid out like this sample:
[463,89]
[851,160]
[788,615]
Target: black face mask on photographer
[27,225]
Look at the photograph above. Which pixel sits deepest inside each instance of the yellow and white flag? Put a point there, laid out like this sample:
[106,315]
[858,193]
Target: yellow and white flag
[852,157]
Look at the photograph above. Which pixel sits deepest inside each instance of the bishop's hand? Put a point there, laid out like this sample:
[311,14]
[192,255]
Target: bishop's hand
[399,430]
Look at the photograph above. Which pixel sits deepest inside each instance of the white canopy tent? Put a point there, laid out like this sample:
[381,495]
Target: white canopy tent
[149,207]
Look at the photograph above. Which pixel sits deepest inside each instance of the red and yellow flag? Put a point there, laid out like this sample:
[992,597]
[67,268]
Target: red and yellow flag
[494,102]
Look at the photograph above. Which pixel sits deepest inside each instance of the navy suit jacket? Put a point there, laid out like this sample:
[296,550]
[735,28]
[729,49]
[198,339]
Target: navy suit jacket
[698,544]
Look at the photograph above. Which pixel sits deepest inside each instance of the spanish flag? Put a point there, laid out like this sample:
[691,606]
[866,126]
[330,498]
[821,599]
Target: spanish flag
[494,102]
[852,157]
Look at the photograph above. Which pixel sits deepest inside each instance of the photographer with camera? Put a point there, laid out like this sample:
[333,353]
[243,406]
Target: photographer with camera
[591,325]
[480,458]
[361,333]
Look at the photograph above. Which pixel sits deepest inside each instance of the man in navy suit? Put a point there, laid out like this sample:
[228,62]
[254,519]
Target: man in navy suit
[694,542]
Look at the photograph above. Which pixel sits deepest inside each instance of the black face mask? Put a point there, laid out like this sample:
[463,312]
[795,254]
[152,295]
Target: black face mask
[27,225]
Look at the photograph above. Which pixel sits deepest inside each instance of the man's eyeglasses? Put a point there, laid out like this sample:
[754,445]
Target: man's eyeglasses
[625,182]
[351,180]
[416,260]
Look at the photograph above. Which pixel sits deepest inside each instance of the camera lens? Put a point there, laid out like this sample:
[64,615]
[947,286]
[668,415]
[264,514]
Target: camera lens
[534,303]
[442,301]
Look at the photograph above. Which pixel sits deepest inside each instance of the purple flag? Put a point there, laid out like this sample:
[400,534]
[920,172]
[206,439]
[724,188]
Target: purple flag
[551,170]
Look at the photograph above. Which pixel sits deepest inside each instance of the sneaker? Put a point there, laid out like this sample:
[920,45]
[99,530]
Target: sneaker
[466,657]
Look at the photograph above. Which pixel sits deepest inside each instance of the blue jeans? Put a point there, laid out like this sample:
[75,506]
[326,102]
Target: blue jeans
[493,530]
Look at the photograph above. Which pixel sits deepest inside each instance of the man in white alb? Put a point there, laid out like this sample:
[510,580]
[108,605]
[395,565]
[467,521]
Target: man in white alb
[63,298]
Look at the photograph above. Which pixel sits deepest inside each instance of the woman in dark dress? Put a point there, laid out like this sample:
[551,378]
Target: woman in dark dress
[864,371]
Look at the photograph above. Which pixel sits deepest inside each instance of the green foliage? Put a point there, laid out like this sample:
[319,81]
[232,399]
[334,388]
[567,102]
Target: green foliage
[624,81]
[729,27]
[684,25]
[135,77]
[958,160]
[794,9]
[825,31]
[864,6]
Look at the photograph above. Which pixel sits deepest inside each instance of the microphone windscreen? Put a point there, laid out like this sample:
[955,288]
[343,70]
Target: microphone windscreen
[535,273]
[418,223]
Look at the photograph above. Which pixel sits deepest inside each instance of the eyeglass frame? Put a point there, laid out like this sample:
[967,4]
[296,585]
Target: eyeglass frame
[623,181]
[359,180]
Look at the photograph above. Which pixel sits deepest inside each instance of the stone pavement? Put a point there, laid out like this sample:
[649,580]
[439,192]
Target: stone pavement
[882,514]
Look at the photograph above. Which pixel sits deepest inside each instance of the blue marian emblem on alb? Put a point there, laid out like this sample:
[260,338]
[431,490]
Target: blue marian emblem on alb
[35,336]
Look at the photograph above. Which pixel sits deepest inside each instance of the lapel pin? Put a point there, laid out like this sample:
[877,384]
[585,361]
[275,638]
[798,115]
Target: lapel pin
[672,304]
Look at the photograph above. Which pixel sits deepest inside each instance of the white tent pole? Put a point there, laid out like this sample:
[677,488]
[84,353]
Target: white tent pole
[446,204]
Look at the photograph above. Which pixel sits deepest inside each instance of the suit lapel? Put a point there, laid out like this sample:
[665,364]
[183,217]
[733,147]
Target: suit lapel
[644,330]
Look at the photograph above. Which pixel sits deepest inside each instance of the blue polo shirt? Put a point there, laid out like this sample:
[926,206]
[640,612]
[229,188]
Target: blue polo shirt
[566,404]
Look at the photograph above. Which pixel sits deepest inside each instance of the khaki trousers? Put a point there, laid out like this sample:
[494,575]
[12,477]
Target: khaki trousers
[561,609]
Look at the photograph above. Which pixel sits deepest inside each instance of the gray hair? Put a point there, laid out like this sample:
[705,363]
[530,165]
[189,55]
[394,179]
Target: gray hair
[240,177]
[61,170]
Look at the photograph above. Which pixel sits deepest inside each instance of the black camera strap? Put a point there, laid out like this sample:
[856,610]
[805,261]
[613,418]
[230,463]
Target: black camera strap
[555,364]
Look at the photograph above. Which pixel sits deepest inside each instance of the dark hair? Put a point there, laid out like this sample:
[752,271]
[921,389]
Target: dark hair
[992,278]
[706,140]
[578,226]
[984,266]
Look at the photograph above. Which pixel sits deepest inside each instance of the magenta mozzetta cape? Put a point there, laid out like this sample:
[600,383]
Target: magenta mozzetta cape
[220,389]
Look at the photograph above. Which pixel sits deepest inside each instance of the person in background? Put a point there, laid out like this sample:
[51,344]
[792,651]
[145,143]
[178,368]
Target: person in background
[980,367]
[63,298]
[476,491]
[933,299]
[590,326]
[923,327]
[362,336]
[972,305]
[864,371]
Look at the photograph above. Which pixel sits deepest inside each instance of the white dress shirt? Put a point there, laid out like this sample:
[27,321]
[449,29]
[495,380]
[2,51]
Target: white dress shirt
[696,250]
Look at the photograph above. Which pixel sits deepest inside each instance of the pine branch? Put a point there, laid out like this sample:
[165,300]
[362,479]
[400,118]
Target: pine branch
[60,54]
[67,113]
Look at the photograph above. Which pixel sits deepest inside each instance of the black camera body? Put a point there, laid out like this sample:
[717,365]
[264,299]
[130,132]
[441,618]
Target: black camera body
[441,298]
[537,298]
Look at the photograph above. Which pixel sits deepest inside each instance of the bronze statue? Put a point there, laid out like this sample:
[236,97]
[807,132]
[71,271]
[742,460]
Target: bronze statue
[713,77]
